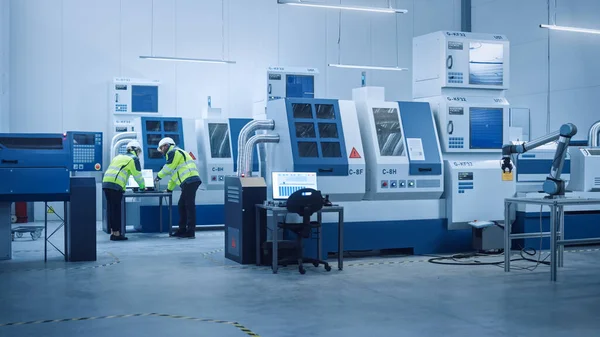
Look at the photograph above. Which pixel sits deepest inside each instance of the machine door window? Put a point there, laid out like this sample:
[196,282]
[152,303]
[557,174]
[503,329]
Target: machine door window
[153,126]
[325,111]
[331,149]
[154,153]
[389,134]
[308,150]
[305,130]
[175,139]
[218,134]
[302,110]
[171,126]
[152,139]
[328,130]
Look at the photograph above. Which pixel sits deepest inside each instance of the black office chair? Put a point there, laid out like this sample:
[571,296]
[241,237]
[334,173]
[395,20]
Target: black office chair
[304,202]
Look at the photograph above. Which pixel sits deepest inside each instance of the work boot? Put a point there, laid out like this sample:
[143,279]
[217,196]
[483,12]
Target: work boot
[118,237]
[179,233]
[189,235]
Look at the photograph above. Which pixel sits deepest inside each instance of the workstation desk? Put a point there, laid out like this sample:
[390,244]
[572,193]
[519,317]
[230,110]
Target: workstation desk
[149,194]
[557,230]
[272,221]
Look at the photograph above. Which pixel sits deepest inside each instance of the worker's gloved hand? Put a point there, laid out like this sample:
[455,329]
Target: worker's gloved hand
[169,191]
[157,179]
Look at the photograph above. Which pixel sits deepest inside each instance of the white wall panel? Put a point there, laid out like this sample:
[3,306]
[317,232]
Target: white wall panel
[36,49]
[517,19]
[529,68]
[577,106]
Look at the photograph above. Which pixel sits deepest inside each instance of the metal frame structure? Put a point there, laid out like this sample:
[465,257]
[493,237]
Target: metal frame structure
[557,230]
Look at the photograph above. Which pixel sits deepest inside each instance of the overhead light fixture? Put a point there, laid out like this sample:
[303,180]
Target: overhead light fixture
[571,29]
[184,59]
[351,66]
[388,10]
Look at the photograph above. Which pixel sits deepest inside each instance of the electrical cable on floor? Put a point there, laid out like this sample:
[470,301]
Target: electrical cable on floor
[455,260]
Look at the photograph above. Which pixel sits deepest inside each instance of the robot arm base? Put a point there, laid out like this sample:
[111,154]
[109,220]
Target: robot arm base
[555,188]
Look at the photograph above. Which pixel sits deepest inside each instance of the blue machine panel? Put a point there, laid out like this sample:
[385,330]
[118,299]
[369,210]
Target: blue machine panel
[153,130]
[486,125]
[417,122]
[300,86]
[34,167]
[235,126]
[86,151]
[317,137]
[144,98]
[538,166]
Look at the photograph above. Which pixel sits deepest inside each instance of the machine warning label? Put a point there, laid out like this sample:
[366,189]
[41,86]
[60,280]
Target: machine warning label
[192,155]
[354,154]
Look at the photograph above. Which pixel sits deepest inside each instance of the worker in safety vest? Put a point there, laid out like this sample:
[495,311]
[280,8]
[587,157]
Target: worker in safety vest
[114,184]
[184,173]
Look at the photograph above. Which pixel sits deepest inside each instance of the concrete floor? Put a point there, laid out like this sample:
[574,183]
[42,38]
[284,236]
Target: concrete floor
[400,296]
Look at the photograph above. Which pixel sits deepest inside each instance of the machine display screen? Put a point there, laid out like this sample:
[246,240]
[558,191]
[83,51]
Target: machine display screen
[84,139]
[144,98]
[486,63]
[285,184]
[389,134]
[486,128]
[218,134]
[465,175]
[41,143]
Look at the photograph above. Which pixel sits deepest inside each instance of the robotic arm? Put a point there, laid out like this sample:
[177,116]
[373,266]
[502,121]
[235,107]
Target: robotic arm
[553,185]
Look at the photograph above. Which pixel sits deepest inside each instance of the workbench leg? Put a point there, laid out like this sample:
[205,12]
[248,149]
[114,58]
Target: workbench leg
[341,240]
[507,240]
[561,236]
[45,231]
[553,227]
[160,204]
[170,213]
[275,253]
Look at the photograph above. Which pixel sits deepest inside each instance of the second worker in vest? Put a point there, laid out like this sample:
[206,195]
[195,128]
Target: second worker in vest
[184,173]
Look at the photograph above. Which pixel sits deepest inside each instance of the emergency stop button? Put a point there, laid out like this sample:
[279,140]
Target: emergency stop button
[97,167]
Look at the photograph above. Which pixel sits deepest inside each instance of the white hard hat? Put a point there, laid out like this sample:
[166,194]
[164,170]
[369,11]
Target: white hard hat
[166,140]
[134,144]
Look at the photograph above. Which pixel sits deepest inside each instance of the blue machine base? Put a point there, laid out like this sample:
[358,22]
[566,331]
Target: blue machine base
[578,225]
[205,215]
[422,236]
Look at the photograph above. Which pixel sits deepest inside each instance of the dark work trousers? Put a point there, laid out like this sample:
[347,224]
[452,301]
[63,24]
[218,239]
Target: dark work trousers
[113,208]
[187,207]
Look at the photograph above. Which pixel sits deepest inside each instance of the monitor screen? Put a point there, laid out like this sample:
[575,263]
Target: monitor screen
[486,128]
[144,98]
[148,180]
[286,183]
[486,63]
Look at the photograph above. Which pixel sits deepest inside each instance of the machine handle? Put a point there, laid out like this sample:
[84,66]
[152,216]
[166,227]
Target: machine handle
[424,169]
[116,98]
[449,62]
[4,161]
[329,170]
[270,88]
[450,127]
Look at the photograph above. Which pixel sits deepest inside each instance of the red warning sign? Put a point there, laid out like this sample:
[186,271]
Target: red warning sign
[354,153]
[233,243]
[192,155]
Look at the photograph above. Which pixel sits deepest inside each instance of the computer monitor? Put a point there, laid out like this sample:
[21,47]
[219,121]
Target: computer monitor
[286,183]
[148,180]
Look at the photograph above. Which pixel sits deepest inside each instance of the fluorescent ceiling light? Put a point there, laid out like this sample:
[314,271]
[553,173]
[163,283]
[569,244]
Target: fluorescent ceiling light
[352,8]
[366,67]
[183,59]
[571,29]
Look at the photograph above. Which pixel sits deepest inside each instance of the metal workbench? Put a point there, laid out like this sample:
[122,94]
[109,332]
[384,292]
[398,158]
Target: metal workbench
[150,194]
[556,234]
